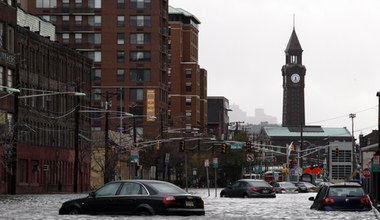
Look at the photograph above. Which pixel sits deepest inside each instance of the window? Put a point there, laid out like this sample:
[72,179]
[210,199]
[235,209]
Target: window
[120,75]
[11,39]
[120,94]
[188,87]
[96,94]
[120,4]
[23,170]
[188,101]
[78,3]
[46,3]
[188,74]
[188,115]
[78,38]
[140,3]
[120,56]
[120,21]
[293,59]
[65,38]
[140,38]
[95,38]
[139,75]
[1,77]
[78,20]
[108,190]
[96,56]
[2,35]
[94,3]
[65,3]
[140,21]
[136,95]
[139,56]
[65,20]
[10,78]
[132,189]
[120,38]
[51,18]
[95,21]
[96,74]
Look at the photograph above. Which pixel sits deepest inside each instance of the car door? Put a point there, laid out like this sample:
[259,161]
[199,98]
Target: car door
[319,198]
[100,202]
[234,192]
[130,196]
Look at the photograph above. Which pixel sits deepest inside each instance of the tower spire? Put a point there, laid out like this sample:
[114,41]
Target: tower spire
[294,21]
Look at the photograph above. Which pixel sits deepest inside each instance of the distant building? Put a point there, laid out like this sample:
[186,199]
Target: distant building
[218,119]
[187,81]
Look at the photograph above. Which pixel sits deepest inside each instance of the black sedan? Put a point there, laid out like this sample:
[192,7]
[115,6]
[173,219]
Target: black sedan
[247,188]
[136,197]
[341,197]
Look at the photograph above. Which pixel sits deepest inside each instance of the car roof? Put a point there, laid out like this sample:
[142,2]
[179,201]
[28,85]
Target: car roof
[346,184]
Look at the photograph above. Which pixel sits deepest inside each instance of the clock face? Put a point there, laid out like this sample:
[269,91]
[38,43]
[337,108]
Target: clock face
[295,77]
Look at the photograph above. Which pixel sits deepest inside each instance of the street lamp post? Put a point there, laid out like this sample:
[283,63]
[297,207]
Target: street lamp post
[352,116]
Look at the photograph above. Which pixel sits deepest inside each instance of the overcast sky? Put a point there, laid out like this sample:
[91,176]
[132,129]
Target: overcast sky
[242,43]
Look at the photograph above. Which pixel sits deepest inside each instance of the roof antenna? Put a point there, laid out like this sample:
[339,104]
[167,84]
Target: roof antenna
[294,21]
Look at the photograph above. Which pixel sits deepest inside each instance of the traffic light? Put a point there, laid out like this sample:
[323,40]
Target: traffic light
[224,148]
[337,152]
[181,146]
[158,145]
[292,147]
[247,146]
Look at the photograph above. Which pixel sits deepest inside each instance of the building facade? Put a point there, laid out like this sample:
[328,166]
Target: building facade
[218,120]
[38,152]
[187,81]
[127,40]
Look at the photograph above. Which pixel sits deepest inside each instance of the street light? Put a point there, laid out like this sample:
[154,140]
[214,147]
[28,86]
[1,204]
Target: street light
[352,116]
[52,93]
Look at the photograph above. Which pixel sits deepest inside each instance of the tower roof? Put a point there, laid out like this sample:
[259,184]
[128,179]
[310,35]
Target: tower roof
[293,44]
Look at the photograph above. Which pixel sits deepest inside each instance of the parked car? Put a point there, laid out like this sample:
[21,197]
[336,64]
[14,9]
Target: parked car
[304,187]
[284,187]
[248,188]
[341,197]
[136,197]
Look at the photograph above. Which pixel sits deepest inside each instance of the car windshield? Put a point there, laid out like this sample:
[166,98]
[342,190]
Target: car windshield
[286,184]
[165,188]
[346,191]
[259,183]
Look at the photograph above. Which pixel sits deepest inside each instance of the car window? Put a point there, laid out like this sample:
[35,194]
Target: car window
[132,189]
[259,184]
[109,189]
[346,191]
[236,184]
[167,188]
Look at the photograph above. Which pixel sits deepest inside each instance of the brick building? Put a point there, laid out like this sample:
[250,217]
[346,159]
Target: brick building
[187,81]
[127,40]
[38,151]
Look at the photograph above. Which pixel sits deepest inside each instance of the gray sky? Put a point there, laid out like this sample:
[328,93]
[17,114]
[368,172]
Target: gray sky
[242,43]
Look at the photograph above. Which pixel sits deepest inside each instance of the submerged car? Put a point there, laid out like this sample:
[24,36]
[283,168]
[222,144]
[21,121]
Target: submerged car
[304,187]
[248,188]
[136,197]
[341,197]
[284,187]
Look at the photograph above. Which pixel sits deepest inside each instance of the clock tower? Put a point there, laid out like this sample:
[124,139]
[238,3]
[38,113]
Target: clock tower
[293,83]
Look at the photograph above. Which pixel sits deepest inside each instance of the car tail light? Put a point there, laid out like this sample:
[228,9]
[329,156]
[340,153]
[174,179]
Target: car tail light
[283,190]
[365,201]
[328,201]
[169,200]
[273,189]
[253,189]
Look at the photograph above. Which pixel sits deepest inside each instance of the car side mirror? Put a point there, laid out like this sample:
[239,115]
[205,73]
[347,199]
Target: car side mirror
[91,195]
[311,198]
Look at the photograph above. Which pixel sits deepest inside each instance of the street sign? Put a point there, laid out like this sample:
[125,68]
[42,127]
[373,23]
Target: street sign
[236,146]
[366,173]
[250,157]
[215,163]
[376,164]
[207,163]
[134,156]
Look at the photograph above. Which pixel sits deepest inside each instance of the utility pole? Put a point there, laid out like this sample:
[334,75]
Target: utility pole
[106,142]
[76,144]
[352,116]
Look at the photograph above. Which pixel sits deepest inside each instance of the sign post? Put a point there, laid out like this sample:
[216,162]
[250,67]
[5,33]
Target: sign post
[207,164]
[215,165]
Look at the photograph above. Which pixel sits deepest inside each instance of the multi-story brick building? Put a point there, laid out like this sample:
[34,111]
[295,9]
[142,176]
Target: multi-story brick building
[38,148]
[127,39]
[187,81]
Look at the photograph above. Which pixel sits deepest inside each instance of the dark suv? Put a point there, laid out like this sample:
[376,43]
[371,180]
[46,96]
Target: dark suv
[341,197]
